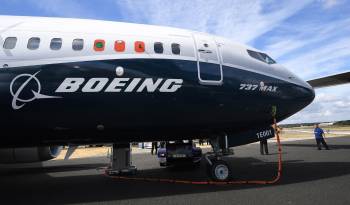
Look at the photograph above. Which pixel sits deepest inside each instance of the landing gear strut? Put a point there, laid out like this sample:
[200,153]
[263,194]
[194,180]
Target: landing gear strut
[120,160]
[217,168]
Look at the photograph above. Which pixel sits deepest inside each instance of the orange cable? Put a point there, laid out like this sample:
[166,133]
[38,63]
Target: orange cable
[273,181]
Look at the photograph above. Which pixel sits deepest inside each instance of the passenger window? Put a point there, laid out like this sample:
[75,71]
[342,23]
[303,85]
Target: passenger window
[119,46]
[175,48]
[99,45]
[56,44]
[78,44]
[158,47]
[10,43]
[139,46]
[33,43]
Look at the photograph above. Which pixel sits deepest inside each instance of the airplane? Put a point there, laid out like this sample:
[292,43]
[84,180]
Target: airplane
[76,81]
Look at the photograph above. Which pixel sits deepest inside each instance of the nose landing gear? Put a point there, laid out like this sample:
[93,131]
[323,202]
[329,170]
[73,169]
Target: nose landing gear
[217,168]
[220,171]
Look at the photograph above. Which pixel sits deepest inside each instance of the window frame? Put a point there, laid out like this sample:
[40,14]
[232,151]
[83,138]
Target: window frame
[97,48]
[58,41]
[178,46]
[261,57]
[13,45]
[155,48]
[31,42]
[269,60]
[81,45]
[119,46]
[139,49]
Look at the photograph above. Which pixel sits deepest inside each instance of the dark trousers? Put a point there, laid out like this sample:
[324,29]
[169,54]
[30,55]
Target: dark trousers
[263,147]
[319,141]
[200,142]
[154,147]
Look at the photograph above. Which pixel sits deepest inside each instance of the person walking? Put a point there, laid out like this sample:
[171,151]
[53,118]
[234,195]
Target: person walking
[319,136]
[264,147]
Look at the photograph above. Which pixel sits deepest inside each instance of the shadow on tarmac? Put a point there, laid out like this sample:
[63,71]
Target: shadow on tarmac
[39,169]
[40,186]
[314,145]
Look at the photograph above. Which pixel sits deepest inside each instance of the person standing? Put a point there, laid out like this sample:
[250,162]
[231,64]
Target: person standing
[263,147]
[154,147]
[162,144]
[319,136]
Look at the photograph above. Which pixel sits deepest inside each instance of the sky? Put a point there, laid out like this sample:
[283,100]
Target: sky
[310,37]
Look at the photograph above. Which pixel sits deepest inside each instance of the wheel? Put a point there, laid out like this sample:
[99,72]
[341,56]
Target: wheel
[220,171]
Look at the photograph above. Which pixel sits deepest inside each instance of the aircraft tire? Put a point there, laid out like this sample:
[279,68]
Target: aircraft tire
[219,171]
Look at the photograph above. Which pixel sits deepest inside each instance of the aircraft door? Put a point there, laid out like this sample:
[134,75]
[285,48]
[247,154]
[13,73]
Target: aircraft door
[208,60]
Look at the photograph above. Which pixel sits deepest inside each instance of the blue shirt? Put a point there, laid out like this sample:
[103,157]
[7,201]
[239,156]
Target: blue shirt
[318,133]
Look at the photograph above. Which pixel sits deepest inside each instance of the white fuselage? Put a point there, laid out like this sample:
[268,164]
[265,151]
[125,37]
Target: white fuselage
[76,81]
[24,28]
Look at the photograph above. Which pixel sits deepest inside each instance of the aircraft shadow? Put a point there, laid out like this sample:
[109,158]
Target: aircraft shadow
[314,146]
[39,169]
[43,188]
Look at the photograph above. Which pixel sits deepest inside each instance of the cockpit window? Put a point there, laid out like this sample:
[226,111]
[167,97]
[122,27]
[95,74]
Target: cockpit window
[261,57]
[267,59]
[255,55]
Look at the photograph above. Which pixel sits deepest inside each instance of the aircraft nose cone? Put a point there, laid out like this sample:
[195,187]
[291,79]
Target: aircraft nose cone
[310,94]
[306,93]
[296,98]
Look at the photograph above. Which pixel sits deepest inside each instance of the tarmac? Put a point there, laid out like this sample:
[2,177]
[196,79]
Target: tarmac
[309,176]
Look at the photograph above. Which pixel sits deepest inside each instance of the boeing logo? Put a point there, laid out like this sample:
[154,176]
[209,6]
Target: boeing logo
[20,86]
[17,101]
[95,85]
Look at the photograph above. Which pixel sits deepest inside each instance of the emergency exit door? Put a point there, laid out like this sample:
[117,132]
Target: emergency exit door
[208,60]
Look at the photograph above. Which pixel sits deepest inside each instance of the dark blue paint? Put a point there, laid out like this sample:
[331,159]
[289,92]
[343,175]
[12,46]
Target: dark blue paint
[194,111]
[209,71]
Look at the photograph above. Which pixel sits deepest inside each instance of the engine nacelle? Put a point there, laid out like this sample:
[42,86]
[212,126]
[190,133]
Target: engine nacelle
[28,154]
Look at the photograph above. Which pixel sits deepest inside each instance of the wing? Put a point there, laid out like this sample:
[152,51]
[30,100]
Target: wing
[331,80]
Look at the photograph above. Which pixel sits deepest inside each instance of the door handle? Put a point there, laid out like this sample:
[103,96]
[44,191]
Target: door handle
[204,51]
